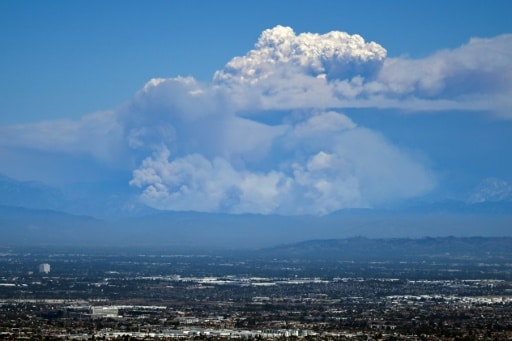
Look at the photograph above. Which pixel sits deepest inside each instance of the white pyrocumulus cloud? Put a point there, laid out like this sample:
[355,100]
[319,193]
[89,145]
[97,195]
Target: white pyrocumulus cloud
[319,164]
[332,55]
[268,135]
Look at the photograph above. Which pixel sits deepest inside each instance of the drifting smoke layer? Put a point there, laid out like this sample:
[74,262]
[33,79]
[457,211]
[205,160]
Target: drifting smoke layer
[268,134]
[328,168]
[314,162]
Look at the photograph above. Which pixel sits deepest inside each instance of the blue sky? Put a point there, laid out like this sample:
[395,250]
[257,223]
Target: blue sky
[423,113]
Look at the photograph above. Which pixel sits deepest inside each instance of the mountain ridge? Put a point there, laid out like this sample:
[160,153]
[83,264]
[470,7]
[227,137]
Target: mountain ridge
[362,248]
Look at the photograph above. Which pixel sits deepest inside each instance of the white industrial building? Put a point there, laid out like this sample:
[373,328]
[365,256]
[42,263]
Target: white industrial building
[44,268]
[105,311]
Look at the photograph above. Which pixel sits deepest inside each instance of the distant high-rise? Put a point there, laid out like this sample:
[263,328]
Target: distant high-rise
[44,268]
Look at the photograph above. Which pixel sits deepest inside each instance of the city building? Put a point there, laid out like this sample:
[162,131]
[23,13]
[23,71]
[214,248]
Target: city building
[44,268]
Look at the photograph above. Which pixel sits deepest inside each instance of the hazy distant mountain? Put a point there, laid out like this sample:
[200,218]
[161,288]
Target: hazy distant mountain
[34,213]
[377,237]
[461,207]
[491,190]
[99,199]
[116,199]
[29,194]
[186,230]
[23,226]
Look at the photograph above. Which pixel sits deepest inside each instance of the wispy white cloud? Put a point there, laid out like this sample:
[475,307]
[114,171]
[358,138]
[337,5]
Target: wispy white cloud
[211,146]
[322,164]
